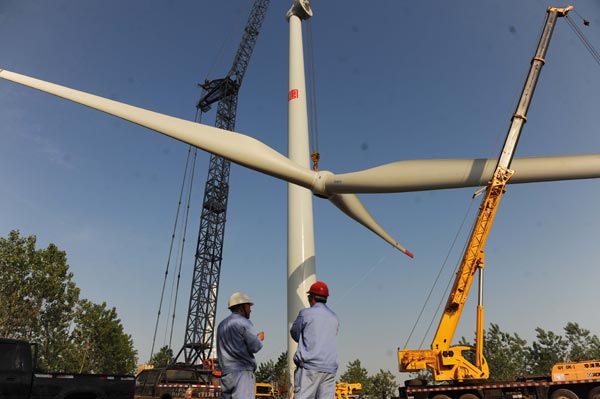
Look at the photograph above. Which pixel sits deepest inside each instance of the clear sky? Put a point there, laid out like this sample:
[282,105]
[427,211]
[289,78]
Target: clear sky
[395,80]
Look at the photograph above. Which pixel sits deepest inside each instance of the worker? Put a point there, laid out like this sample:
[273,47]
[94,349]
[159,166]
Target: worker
[237,342]
[315,330]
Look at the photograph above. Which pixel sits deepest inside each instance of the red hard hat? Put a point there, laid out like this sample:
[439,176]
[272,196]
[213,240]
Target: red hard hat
[319,288]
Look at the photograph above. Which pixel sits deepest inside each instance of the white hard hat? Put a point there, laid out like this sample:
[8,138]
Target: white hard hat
[238,298]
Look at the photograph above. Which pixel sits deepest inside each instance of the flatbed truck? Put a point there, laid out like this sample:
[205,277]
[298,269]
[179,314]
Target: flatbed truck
[571,380]
[21,379]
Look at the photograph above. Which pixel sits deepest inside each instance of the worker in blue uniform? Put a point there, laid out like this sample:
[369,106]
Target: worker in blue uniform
[315,330]
[237,342]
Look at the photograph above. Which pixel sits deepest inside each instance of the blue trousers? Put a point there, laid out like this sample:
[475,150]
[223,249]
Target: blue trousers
[238,385]
[312,384]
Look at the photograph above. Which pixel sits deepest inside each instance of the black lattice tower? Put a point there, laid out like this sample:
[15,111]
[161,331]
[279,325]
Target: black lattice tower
[200,327]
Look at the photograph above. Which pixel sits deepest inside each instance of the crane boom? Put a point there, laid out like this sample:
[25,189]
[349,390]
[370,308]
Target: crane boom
[200,326]
[448,362]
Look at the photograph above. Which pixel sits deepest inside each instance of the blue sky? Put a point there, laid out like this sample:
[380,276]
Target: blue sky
[395,80]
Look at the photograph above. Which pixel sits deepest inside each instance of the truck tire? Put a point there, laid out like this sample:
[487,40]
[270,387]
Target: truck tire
[469,396]
[594,393]
[440,396]
[416,382]
[564,393]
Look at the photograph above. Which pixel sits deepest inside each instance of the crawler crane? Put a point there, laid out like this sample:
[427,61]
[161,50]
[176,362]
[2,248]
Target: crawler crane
[200,326]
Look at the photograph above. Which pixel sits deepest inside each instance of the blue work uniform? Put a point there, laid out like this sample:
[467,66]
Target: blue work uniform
[315,329]
[236,345]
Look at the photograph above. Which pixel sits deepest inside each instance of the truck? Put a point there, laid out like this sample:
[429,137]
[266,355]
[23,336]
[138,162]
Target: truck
[461,372]
[177,382]
[347,390]
[571,380]
[180,380]
[264,390]
[20,378]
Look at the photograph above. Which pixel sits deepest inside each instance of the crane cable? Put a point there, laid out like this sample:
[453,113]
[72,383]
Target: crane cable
[177,279]
[198,118]
[456,266]
[183,237]
[437,278]
[170,250]
[174,292]
[589,47]
[312,99]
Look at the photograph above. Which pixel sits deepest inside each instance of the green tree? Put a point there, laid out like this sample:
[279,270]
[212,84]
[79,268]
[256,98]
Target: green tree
[39,302]
[506,354]
[356,373]
[547,350]
[582,345]
[266,372]
[383,385]
[280,384]
[274,373]
[105,348]
[37,296]
[163,357]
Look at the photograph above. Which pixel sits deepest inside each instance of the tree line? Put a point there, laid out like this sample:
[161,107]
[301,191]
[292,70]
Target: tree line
[509,356]
[40,303]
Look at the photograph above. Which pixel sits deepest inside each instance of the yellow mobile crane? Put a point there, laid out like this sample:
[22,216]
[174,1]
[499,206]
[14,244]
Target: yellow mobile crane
[464,375]
[447,362]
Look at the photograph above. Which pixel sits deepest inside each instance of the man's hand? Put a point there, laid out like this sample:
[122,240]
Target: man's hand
[261,336]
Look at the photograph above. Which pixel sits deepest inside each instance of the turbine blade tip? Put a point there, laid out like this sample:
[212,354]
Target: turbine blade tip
[407,252]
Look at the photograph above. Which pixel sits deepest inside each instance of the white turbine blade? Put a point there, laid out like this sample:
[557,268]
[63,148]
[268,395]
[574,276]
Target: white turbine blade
[421,175]
[402,176]
[238,148]
[351,206]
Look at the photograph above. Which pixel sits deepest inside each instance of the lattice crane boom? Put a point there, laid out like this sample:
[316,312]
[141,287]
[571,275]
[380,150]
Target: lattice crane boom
[200,326]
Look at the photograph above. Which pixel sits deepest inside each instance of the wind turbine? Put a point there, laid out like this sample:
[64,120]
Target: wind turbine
[340,189]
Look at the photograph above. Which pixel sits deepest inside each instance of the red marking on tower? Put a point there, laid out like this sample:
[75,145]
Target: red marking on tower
[292,94]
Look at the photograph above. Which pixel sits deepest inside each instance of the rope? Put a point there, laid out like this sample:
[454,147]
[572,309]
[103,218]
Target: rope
[359,281]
